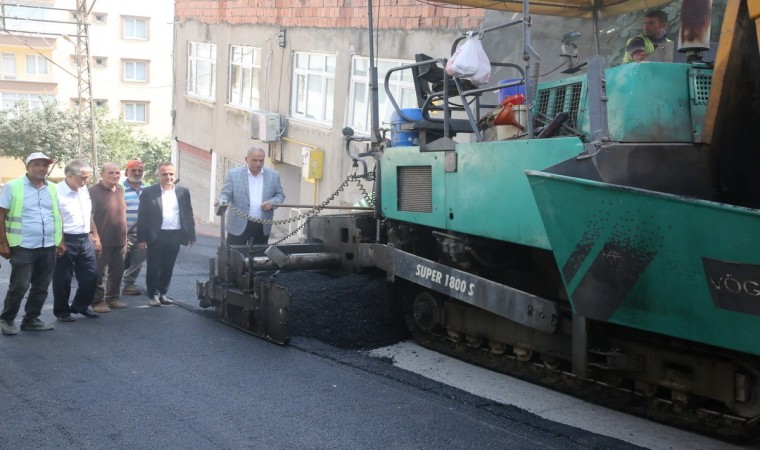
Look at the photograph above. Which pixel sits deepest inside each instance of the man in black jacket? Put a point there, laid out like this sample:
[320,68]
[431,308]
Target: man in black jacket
[164,222]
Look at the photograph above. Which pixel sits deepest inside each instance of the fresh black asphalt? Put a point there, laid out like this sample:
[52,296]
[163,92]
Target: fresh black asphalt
[174,377]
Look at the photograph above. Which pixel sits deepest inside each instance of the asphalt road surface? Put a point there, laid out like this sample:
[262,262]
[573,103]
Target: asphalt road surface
[174,377]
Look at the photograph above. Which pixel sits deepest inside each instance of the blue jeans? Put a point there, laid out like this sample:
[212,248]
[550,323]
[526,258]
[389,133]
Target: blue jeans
[29,267]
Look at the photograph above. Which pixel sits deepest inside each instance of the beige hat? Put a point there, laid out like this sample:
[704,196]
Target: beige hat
[38,155]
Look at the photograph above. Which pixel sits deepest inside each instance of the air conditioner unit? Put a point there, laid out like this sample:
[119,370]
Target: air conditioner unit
[265,126]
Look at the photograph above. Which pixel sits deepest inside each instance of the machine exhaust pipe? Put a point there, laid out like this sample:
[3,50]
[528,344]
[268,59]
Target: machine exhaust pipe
[694,37]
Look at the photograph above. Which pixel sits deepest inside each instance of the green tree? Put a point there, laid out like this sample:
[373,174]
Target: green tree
[52,130]
[49,129]
[153,152]
[117,141]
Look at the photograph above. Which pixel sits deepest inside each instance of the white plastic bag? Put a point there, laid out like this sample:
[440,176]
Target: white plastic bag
[470,61]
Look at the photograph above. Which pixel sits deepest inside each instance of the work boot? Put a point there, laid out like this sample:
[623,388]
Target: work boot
[116,304]
[8,327]
[165,300]
[35,325]
[101,308]
[154,301]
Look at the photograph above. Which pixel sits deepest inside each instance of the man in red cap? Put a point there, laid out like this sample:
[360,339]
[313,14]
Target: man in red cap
[135,258]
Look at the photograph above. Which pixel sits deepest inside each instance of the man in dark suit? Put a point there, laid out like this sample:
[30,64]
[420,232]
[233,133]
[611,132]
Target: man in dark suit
[164,222]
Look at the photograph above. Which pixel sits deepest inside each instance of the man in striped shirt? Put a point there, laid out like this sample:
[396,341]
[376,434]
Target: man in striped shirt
[133,186]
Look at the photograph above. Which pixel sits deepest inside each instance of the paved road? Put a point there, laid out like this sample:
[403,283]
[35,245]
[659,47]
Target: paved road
[173,377]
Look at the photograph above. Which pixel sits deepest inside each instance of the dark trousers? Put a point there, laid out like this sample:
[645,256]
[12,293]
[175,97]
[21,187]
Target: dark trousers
[160,258]
[79,261]
[253,231]
[111,264]
[133,262]
[29,267]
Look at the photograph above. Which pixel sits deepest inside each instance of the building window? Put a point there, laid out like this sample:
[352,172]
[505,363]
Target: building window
[100,61]
[136,71]
[99,18]
[9,66]
[36,65]
[314,87]
[11,99]
[201,70]
[135,112]
[135,28]
[244,75]
[96,103]
[16,18]
[401,84]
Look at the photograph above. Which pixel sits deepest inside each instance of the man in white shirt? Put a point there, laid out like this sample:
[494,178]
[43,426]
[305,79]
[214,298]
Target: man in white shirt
[81,245]
[255,190]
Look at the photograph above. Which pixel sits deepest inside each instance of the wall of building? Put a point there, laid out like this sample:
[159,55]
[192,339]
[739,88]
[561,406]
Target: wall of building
[404,29]
[107,41]
[389,14]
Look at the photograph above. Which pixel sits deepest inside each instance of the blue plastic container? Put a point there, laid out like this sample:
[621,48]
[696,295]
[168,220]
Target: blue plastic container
[512,90]
[403,138]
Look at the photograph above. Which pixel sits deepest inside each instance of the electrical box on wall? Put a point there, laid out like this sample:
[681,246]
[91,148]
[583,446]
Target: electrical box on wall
[265,126]
[313,161]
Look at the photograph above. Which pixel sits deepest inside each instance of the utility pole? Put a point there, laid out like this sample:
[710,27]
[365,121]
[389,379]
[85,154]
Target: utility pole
[84,85]
[21,28]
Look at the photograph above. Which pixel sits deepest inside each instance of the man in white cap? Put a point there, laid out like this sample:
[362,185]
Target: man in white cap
[31,232]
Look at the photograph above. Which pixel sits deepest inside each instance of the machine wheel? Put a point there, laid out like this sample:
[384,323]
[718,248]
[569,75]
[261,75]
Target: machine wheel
[425,311]
[473,341]
[751,406]
[551,362]
[497,348]
[455,336]
[523,354]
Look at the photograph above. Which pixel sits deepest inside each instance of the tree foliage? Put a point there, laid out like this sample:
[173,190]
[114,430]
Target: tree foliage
[48,129]
[119,141]
[154,152]
[53,130]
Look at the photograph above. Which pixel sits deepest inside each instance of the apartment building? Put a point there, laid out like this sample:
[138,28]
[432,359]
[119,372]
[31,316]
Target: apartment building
[131,58]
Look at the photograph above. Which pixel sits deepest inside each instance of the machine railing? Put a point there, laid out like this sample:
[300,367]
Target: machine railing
[437,96]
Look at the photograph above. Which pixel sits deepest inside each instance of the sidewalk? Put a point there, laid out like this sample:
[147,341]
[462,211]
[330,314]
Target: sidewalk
[207,229]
